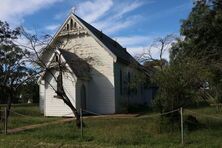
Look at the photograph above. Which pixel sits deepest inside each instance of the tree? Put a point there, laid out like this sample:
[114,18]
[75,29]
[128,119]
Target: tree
[14,71]
[202,40]
[29,92]
[180,85]
[160,45]
[22,63]
[58,65]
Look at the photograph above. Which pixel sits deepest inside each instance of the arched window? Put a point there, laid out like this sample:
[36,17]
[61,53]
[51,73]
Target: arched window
[71,24]
[67,27]
[129,80]
[56,58]
[121,82]
[74,24]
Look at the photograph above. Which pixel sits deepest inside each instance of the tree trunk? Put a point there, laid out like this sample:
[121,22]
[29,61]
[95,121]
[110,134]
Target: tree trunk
[61,94]
[9,104]
[74,110]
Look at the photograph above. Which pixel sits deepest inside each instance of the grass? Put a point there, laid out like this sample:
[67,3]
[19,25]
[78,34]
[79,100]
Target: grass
[119,132]
[32,116]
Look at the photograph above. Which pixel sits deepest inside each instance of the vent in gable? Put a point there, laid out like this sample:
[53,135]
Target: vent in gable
[72,27]
[71,23]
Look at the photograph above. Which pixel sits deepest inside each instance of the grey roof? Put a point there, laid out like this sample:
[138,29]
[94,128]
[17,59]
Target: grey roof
[78,65]
[112,45]
[120,52]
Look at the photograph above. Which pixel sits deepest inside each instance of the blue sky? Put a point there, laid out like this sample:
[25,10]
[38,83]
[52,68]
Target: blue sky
[133,23]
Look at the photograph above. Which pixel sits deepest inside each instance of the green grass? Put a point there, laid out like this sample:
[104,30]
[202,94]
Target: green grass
[32,116]
[119,132]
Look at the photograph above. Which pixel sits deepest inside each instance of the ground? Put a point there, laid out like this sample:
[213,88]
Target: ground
[130,131]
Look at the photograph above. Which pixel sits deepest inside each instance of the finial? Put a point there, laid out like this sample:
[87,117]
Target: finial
[74,9]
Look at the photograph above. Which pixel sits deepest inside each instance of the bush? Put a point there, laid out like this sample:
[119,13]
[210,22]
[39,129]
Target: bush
[180,84]
[191,123]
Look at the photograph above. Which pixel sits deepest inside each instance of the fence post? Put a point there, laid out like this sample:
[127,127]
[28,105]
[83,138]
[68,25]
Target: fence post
[181,124]
[81,122]
[5,120]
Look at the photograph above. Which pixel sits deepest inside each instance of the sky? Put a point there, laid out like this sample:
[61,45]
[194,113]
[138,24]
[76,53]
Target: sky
[132,23]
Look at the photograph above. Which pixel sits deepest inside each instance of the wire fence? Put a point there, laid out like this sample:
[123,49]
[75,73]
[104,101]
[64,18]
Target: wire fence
[203,118]
[204,115]
[159,114]
[17,119]
[207,121]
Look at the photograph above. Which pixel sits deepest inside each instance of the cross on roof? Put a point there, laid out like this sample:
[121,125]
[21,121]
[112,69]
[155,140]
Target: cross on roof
[73,10]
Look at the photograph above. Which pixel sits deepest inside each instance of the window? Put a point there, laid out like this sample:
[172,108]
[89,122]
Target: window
[71,24]
[128,83]
[121,82]
[56,58]
[67,27]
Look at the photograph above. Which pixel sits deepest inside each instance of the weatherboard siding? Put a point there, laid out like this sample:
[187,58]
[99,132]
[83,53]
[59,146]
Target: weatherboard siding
[54,106]
[123,100]
[101,86]
[41,96]
[102,91]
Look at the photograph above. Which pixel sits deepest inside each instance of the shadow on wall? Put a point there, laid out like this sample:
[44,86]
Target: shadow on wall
[101,94]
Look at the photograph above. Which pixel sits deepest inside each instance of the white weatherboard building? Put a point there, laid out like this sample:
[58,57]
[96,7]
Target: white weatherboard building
[102,87]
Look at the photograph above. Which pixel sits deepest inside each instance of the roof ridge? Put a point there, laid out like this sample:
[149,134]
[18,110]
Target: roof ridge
[96,29]
[111,44]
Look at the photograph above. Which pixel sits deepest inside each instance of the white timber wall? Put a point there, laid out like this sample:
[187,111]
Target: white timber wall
[101,86]
[54,106]
[41,95]
[79,84]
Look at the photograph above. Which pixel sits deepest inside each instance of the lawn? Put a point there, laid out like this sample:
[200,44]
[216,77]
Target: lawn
[120,132]
[29,115]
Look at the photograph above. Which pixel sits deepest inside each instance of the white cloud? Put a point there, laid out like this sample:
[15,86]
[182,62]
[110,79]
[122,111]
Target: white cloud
[109,15]
[127,7]
[14,11]
[52,27]
[111,27]
[136,45]
[93,10]
[155,52]
[136,50]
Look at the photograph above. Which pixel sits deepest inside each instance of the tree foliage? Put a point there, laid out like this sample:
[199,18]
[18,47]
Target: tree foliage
[202,32]
[202,40]
[14,71]
[180,84]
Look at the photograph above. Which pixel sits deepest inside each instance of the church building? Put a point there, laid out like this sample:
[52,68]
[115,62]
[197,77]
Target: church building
[101,77]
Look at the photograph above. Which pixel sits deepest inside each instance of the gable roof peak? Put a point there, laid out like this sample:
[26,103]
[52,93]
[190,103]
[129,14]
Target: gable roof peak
[112,46]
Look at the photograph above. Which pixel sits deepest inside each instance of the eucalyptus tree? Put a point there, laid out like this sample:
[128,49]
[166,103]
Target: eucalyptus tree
[14,69]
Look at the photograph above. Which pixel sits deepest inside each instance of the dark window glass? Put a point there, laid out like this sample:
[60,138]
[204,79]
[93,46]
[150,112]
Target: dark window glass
[67,26]
[129,79]
[121,82]
[71,24]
